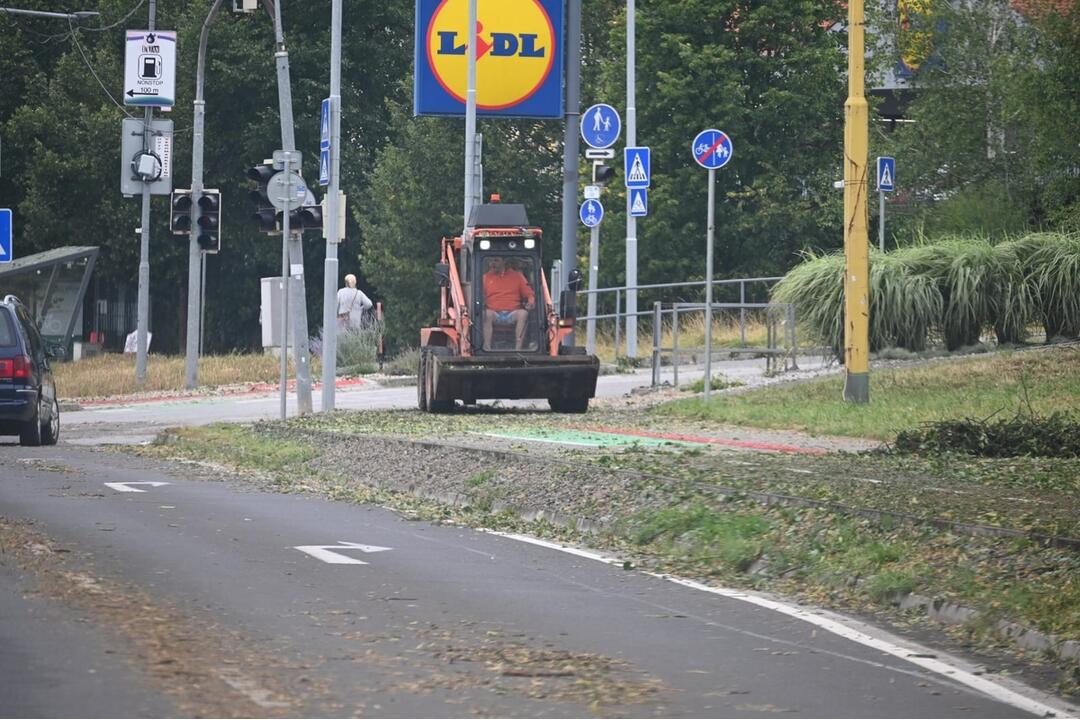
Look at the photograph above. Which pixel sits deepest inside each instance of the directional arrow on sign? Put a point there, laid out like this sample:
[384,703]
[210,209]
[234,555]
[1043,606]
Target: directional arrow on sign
[326,554]
[126,486]
[132,93]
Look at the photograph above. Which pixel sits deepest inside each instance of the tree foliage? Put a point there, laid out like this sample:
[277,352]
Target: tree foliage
[994,141]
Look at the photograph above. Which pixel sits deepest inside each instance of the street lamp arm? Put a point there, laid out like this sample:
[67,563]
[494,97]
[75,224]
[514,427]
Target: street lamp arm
[76,16]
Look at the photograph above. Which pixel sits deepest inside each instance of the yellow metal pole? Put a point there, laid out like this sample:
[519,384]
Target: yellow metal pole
[856,240]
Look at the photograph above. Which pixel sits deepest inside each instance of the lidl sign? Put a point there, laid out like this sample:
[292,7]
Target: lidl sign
[519,57]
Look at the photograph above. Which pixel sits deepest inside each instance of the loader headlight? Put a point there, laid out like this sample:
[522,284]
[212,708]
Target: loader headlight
[485,244]
[530,244]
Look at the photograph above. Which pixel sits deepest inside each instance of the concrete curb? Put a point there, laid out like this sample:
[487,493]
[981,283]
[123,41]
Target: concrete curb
[943,611]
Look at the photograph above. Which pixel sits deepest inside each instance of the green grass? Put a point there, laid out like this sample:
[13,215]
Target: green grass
[234,445]
[1043,381]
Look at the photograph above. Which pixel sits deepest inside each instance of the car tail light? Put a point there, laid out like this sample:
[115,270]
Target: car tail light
[16,368]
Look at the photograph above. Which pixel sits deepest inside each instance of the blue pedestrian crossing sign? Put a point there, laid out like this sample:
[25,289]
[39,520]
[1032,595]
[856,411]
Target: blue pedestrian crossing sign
[637,166]
[5,236]
[600,126]
[324,166]
[712,149]
[592,212]
[886,174]
[639,202]
[324,125]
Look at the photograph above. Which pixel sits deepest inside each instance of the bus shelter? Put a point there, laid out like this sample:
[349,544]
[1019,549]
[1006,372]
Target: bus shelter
[52,285]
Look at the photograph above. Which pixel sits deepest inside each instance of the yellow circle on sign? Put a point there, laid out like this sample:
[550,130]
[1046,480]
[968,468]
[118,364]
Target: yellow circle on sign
[515,43]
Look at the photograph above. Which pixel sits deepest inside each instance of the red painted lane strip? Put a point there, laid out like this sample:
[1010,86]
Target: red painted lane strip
[253,389]
[748,444]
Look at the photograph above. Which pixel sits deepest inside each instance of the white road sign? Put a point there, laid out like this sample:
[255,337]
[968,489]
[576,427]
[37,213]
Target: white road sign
[150,68]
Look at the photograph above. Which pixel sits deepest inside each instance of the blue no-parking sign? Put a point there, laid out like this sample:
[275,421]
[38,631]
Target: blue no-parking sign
[5,236]
[712,149]
[592,212]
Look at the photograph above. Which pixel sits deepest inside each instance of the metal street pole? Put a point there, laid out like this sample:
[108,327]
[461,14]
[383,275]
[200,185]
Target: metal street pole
[710,233]
[296,248]
[594,272]
[333,200]
[144,247]
[570,144]
[285,281]
[470,115]
[856,242]
[881,220]
[631,221]
[195,256]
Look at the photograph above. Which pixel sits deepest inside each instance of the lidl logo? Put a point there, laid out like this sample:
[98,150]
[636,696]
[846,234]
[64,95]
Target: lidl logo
[518,57]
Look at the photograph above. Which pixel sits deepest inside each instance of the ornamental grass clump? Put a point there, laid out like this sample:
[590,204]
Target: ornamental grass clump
[1054,272]
[903,305]
[816,288]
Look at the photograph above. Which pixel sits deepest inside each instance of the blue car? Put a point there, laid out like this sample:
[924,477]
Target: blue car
[28,403]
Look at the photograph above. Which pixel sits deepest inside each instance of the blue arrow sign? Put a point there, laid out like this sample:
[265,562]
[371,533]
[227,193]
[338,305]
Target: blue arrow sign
[639,202]
[638,167]
[592,212]
[886,174]
[324,166]
[712,149]
[5,236]
[600,126]
[324,124]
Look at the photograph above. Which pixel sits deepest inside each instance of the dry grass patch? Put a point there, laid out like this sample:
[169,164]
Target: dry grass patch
[113,374]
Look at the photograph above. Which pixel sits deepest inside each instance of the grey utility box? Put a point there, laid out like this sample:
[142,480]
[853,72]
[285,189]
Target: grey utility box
[270,311]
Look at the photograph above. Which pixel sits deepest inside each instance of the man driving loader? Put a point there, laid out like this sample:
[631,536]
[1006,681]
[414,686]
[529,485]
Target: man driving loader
[508,298]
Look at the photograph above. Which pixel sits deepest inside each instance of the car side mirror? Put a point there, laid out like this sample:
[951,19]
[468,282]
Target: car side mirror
[442,274]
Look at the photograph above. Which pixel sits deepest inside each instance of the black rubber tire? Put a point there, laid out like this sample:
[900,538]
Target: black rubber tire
[569,405]
[435,405]
[30,435]
[50,431]
[421,382]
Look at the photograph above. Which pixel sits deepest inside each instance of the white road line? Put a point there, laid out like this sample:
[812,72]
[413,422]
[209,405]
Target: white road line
[1043,705]
[249,688]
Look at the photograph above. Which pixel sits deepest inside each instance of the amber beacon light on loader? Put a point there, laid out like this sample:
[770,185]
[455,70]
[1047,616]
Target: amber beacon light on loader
[498,335]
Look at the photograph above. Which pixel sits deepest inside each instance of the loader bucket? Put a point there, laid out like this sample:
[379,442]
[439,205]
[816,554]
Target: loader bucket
[515,377]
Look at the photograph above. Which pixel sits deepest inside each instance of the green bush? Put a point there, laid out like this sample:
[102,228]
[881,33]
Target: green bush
[357,349]
[1056,435]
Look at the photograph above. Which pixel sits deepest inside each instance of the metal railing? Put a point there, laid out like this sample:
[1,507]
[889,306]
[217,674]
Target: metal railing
[619,316]
[781,343]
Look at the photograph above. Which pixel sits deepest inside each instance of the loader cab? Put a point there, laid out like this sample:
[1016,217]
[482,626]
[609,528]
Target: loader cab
[504,281]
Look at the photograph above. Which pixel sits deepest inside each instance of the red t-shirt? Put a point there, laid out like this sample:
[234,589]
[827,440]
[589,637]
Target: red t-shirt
[507,291]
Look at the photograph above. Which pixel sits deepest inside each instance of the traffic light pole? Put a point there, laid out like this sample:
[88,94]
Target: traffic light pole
[195,256]
[294,267]
[144,249]
[470,115]
[330,268]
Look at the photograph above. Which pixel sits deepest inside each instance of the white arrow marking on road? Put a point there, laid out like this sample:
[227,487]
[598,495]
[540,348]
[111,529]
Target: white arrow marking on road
[124,486]
[323,552]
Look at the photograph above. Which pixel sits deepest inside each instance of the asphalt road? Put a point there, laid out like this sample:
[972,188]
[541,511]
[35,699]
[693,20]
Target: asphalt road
[193,598]
[140,422]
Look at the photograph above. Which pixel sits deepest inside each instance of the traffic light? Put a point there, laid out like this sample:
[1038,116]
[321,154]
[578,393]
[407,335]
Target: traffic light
[265,216]
[602,173]
[209,237]
[180,212]
[308,217]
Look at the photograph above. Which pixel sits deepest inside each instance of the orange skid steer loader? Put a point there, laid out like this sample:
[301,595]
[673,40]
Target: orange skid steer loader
[498,335]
